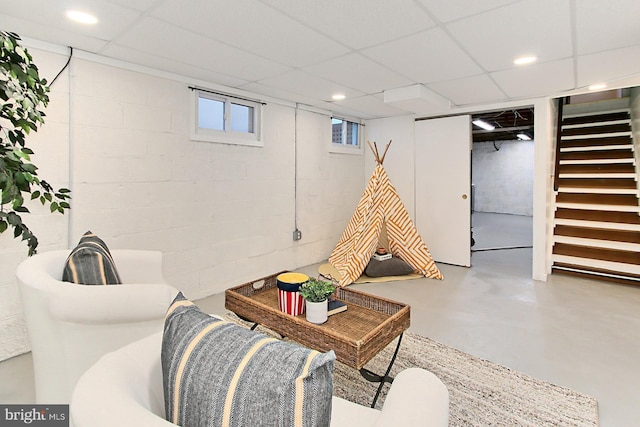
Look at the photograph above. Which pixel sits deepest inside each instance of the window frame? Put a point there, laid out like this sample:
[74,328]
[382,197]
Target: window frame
[344,148]
[225,135]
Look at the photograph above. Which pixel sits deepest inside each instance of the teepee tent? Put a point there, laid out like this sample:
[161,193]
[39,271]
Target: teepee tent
[380,218]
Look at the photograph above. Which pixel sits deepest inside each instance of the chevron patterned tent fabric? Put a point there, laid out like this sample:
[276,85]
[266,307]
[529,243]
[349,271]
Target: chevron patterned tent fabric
[380,209]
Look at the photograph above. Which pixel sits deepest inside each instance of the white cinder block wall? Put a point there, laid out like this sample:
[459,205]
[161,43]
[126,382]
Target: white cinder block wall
[329,186]
[51,156]
[400,159]
[503,178]
[221,214]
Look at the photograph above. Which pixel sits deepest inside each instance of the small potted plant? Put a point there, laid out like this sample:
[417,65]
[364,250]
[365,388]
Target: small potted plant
[316,293]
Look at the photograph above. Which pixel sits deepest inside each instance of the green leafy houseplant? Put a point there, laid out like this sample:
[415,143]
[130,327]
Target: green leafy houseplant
[23,95]
[316,290]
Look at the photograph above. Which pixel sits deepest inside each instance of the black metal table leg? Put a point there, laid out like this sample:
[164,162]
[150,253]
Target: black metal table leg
[370,376]
[255,325]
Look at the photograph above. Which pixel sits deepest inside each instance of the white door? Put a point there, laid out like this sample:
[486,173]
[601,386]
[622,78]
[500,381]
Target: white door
[443,185]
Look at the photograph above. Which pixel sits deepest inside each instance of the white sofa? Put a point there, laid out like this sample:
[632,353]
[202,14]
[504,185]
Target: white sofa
[71,326]
[124,388]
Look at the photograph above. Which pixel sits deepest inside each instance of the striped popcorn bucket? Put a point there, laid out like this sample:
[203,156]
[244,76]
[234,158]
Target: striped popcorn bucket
[289,299]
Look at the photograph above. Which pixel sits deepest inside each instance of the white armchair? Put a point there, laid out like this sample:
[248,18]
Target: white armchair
[124,388]
[71,326]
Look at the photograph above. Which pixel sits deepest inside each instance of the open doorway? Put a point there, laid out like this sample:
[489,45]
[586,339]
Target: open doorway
[502,178]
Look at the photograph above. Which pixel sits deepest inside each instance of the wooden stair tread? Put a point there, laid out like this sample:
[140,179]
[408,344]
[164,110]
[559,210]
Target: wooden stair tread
[593,130]
[597,168]
[628,236]
[595,142]
[596,273]
[598,199]
[604,254]
[599,216]
[614,183]
[605,117]
[597,155]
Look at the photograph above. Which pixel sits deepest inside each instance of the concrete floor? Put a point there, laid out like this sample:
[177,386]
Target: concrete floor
[580,334]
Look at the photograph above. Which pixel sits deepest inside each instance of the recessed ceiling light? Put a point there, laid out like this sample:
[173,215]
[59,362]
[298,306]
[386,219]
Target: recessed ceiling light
[597,86]
[524,60]
[338,96]
[81,17]
[482,124]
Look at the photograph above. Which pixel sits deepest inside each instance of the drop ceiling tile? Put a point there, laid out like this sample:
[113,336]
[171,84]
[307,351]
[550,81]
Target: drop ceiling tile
[370,105]
[425,57]
[469,90]
[536,80]
[358,23]
[142,5]
[607,25]
[497,37]
[446,11]
[358,72]
[277,93]
[161,39]
[608,66]
[254,27]
[343,111]
[421,108]
[30,30]
[176,67]
[112,18]
[308,85]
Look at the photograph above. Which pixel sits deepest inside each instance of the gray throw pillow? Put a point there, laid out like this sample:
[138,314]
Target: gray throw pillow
[389,267]
[218,373]
[90,263]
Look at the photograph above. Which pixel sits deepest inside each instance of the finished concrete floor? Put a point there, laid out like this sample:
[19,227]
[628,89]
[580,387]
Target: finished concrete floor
[576,333]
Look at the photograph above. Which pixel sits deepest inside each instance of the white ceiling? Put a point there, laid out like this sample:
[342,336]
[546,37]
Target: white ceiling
[458,52]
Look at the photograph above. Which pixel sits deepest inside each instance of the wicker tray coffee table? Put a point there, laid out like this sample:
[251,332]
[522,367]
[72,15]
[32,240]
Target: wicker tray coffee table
[356,335]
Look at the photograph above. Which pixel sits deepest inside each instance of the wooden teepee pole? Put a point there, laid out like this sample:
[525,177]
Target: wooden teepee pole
[385,152]
[376,153]
[374,149]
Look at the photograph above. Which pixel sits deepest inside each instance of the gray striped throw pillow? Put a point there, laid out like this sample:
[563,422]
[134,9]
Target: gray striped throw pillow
[217,373]
[90,263]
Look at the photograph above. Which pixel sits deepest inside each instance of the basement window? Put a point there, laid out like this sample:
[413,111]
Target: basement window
[226,119]
[345,136]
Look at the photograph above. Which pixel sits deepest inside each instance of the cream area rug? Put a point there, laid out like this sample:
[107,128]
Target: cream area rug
[481,393]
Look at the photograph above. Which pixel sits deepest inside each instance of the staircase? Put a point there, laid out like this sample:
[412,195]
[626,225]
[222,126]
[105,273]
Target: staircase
[597,216]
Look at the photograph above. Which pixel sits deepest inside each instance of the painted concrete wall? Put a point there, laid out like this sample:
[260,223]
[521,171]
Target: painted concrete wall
[503,177]
[399,161]
[221,214]
[51,146]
